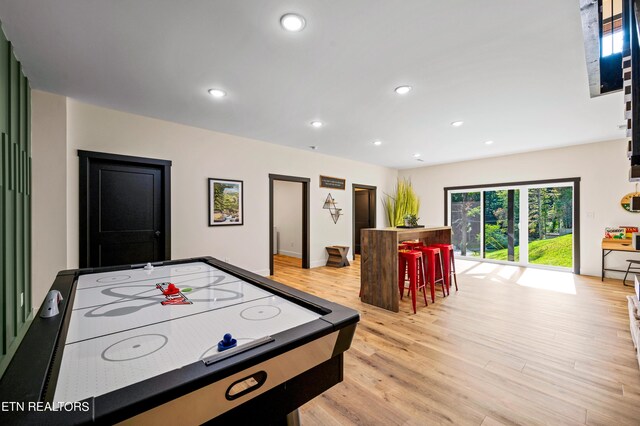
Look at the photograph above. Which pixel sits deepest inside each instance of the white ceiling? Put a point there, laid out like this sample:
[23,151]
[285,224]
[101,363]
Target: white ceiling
[513,71]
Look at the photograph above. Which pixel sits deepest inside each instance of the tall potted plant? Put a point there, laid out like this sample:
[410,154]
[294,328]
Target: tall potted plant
[403,203]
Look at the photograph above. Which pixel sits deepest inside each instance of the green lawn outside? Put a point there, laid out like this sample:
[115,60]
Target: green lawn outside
[553,252]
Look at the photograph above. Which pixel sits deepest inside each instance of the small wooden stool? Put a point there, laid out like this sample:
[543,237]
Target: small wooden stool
[337,256]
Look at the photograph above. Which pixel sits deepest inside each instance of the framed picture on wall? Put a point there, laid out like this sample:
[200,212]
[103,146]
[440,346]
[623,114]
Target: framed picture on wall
[225,202]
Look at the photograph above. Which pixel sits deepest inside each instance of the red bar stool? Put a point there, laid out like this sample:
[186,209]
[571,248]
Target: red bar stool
[449,263]
[432,258]
[404,247]
[413,245]
[413,259]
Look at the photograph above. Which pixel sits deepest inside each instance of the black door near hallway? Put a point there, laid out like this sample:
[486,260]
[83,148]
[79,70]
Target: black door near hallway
[364,208]
[124,210]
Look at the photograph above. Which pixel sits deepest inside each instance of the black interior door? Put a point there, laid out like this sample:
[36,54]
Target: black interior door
[362,215]
[125,203]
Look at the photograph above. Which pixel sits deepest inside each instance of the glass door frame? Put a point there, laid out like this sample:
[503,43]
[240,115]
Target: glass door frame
[524,216]
[482,221]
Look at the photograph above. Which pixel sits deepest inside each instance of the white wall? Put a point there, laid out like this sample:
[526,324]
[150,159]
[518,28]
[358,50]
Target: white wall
[603,169]
[49,191]
[61,126]
[287,217]
[198,154]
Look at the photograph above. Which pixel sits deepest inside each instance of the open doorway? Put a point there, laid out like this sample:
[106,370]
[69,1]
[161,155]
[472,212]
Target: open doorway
[288,221]
[364,212]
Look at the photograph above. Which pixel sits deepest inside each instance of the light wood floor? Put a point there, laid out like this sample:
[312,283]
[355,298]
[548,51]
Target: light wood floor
[513,346]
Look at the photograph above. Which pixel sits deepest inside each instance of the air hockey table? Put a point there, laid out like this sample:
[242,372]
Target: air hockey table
[123,350]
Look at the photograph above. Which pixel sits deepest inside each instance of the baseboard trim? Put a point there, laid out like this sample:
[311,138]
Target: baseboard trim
[318,263]
[290,253]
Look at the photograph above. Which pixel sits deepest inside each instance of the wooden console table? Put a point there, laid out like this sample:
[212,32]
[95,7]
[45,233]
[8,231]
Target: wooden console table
[609,245]
[337,256]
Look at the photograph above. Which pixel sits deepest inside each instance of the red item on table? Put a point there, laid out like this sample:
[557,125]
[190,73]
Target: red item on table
[171,289]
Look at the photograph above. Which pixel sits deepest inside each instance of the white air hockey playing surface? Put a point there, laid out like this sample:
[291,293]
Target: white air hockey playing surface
[120,333]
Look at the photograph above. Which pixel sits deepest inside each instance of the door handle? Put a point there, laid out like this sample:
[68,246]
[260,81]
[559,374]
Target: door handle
[157,234]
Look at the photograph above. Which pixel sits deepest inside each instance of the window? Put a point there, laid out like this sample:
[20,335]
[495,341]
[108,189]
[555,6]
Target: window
[612,32]
[612,43]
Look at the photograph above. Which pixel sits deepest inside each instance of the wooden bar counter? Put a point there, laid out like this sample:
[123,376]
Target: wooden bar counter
[379,261]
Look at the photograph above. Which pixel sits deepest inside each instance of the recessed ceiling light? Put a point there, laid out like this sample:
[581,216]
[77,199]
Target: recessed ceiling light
[488,143]
[317,124]
[377,143]
[217,93]
[403,90]
[416,155]
[292,22]
[313,147]
[457,123]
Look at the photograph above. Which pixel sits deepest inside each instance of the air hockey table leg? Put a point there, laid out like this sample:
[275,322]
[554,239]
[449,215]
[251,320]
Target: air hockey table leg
[293,418]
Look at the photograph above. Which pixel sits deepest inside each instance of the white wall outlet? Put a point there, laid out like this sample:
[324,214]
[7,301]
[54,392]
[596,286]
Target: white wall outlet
[21,300]
[591,215]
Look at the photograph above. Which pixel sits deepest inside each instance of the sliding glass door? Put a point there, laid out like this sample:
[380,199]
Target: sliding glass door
[551,226]
[486,223]
[465,208]
[501,225]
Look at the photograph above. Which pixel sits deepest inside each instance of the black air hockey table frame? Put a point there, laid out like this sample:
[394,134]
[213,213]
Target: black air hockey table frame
[32,374]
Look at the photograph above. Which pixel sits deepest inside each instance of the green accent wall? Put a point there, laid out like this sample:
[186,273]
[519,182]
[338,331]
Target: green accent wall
[15,202]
